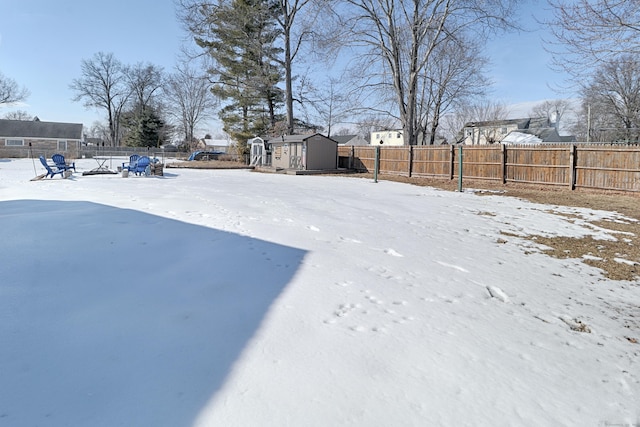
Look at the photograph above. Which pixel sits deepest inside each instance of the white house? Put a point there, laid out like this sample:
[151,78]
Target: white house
[387,138]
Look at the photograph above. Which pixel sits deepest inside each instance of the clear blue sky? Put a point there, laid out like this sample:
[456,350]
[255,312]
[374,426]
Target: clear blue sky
[42,44]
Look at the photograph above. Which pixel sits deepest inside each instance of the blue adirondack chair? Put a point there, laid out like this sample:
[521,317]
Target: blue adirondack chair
[131,165]
[61,163]
[49,168]
[142,164]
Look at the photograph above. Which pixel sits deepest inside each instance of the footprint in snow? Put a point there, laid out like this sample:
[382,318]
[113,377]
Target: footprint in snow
[496,292]
[392,252]
[350,240]
[457,267]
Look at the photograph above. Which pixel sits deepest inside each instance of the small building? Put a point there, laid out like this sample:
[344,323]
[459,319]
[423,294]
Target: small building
[260,153]
[296,152]
[41,136]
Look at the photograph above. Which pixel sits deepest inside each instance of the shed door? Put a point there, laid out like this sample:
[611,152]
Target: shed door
[295,156]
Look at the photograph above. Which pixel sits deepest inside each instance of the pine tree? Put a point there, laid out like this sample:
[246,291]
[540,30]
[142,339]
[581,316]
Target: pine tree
[241,44]
[144,128]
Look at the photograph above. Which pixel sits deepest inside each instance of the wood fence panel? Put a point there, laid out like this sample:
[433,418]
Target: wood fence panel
[608,168]
[539,165]
[364,159]
[588,166]
[482,163]
[395,160]
[344,150]
[432,161]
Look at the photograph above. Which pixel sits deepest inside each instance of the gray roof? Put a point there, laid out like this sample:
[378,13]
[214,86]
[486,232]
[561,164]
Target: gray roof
[524,123]
[545,134]
[295,138]
[520,123]
[343,139]
[38,129]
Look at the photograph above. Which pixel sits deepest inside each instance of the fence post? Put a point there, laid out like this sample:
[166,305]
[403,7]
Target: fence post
[377,164]
[410,160]
[572,167]
[352,157]
[504,163]
[452,157]
[460,171]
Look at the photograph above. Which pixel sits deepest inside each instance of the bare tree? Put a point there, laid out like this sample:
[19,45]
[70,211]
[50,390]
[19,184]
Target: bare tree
[402,37]
[453,75]
[290,11]
[189,99]
[372,123]
[481,111]
[612,100]
[145,82]
[97,131]
[588,32]
[553,110]
[332,103]
[18,115]
[10,92]
[103,86]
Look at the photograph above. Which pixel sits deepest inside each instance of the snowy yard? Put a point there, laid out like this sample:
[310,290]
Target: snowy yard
[233,298]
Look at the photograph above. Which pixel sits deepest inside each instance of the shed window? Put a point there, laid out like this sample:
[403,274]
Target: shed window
[62,145]
[14,142]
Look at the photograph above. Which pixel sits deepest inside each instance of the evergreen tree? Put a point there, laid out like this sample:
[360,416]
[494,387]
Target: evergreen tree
[144,128]
[240,42]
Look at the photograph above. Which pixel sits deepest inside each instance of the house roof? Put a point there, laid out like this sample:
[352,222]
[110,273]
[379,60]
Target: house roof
[532,136]
[38,129]
[343,139]
[296,138]
[521,123]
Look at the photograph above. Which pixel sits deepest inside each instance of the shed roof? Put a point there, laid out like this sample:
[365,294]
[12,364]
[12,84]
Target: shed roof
[296,138]
[38,129]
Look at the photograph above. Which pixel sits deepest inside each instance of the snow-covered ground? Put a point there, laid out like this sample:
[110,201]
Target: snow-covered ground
[234,298]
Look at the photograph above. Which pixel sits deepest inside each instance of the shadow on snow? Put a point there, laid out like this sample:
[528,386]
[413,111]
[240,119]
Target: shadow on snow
[117,317]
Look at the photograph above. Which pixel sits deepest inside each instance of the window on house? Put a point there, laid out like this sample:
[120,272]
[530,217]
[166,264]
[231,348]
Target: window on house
[62,145]
[469,132]
[14,142]
[504,131]
[399,135]
[377,136]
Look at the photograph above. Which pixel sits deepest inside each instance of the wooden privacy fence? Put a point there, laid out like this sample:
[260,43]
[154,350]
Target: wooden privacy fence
[573,166]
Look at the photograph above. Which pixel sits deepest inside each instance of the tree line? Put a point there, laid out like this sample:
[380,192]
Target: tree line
[415,65]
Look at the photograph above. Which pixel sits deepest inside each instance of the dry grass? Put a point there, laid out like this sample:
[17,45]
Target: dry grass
[618,260]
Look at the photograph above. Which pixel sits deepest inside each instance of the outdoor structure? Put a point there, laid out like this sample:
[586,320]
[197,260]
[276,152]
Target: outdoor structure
[260,152]
[511,131]
[43,136]
[295,152]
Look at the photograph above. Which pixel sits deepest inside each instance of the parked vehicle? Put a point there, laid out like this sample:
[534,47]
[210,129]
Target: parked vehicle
[206,155]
